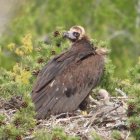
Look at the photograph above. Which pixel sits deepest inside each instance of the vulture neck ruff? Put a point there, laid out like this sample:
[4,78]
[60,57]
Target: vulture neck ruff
[83,44]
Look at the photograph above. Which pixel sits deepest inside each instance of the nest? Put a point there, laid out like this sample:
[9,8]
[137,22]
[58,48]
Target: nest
[104,116]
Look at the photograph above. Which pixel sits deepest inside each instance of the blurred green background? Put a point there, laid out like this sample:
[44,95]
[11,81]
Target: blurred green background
[114,21]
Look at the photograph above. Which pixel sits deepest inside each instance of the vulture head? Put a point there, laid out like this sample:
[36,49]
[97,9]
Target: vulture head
[75,33]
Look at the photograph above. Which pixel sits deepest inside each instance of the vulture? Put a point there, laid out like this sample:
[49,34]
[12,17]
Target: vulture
[66,81]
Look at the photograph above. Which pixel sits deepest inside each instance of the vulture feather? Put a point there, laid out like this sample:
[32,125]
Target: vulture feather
[66,81]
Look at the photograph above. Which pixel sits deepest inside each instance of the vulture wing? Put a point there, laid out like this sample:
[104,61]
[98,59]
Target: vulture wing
[66,81]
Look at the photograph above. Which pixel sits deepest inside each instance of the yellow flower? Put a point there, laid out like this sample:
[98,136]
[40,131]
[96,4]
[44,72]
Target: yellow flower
[16,68]
[27,43]
[126,82]
[19,52]
[24,77]
[21,75]
[11,46]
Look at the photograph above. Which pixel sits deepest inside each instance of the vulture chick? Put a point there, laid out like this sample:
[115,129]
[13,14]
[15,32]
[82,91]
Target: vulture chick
[66,81]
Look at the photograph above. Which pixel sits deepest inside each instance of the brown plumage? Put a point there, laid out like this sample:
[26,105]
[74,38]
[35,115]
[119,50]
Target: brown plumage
[66,81]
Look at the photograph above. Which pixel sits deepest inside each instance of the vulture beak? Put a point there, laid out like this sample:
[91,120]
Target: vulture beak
[65,34]
[69,35]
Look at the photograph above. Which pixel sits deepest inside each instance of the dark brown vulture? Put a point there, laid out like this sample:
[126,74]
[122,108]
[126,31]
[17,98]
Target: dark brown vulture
[66,81]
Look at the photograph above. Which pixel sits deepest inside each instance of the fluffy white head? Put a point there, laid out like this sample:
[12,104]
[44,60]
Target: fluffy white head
[75,33]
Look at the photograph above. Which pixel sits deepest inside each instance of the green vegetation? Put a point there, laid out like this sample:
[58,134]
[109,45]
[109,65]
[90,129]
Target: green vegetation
[114,21]
[23,53]
[56,134]
[116,135]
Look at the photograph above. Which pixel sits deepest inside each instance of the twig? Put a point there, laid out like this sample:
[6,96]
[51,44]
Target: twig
[62,115]
[127,135]
[28,137]
[121,92]
[120,98]
[93,100]
[90,122]
[73,118]
[100,112]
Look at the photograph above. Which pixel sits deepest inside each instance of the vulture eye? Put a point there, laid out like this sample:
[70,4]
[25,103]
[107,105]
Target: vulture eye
[76,34]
